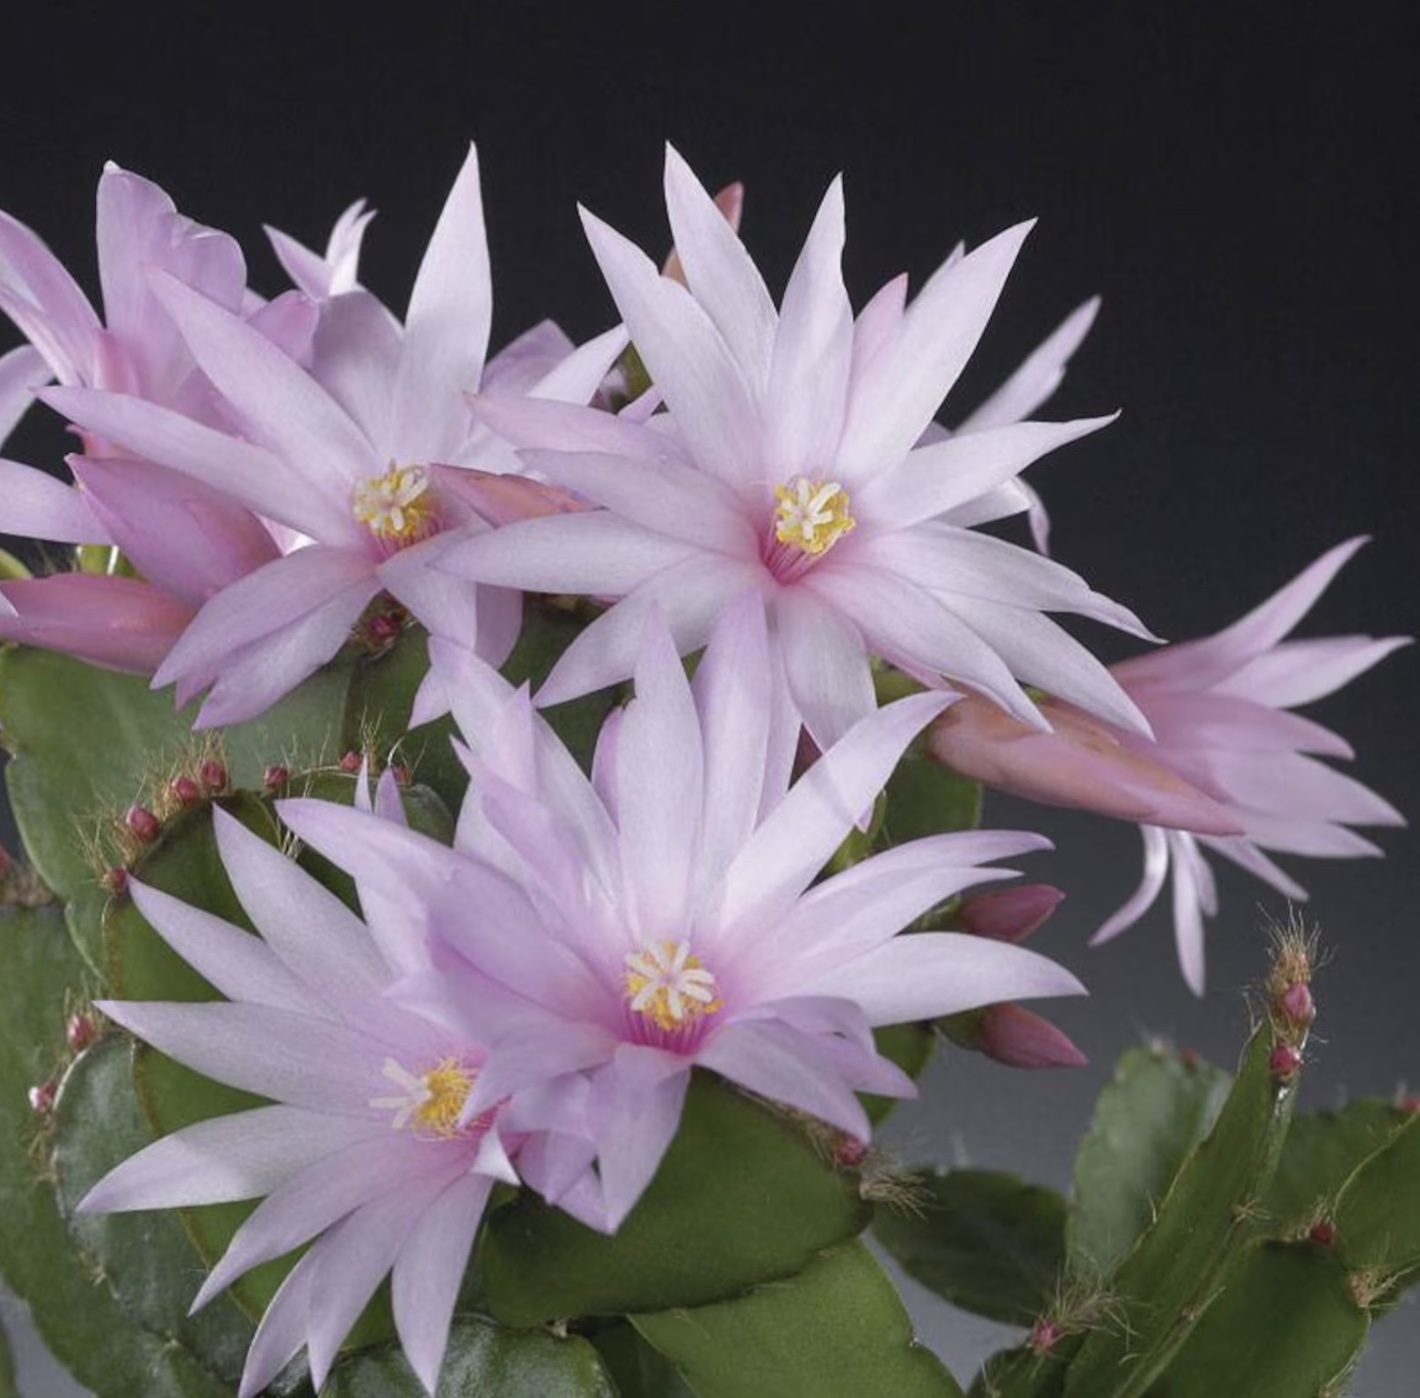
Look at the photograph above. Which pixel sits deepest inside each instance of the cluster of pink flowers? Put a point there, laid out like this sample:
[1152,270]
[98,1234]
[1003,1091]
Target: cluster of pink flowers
[274,472]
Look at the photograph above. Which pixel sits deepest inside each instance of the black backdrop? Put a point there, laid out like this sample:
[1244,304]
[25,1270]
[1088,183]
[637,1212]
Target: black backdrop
[1234,181]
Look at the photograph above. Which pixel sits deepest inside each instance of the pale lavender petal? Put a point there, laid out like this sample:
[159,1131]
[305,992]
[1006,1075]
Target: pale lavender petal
[1156,868]
[688,358]
[1214,719]
[878,323]
[272,1052]
[280,406]
[1310,836]
[446,327]
[538,1054]
[428,1270]
[557,426]
[594,552]
[304,924]
[37,505]
[290,323]
[637,1099]
[825,663]
[1192,883]
[788,1068]
[578,376]
[46,302]
[247,473]
[356,358]
[939,973]
[1038,376]
[660,778]
[778,861]
[22,370]
[720,273]
[947,475]
[1302,788]
[813,351]
[183,536]
[282,1330]
[662,496]
[1247,856]
[117,623]
[242,1156]
[237,964]
[689,596]
[898,392]
[1299,672]
[526,358]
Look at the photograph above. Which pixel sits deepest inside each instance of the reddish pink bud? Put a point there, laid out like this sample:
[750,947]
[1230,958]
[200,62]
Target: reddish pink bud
[1410,1103]
[403,775]
[1323,1232]
[849,1152]
[185,790]
[1190,1058]
[42,1096]
[1044,1336]
[1296,1003]
[1020,1038]
[382,627]
[1284,1061]
[214,775]
[275,776]
[80,1031]
[116,880]
[351,762]
[1010,914]
[143,823]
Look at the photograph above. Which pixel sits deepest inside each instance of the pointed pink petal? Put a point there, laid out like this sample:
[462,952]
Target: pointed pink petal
[46,303]
[355,357]
[898,392]
[878,323]
[22,370]
[282,1330]
[35,504]
[639,1099]
[1192,897]
[1156,868]
[1299,672]
[525,359]
[720,273]
[290,322]
[557,426]
[813,351]
[446,328]
[577,377]
[1038,376]
[1246,855]
[825,663]
[689,361]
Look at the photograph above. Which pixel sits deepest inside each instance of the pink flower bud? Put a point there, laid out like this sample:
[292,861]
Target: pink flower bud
[80,1032]
[1409,1104]
[143,823]
[382,628]
[1324,1232]
[116,881]
[403,776]
[1044,1336]
[1020,1038]
[1284,1062]
[1010,914]
[275,777]
[42,1096]
[351,762]
[849,1152]
[185,790]
[1297,1005]
[214,776]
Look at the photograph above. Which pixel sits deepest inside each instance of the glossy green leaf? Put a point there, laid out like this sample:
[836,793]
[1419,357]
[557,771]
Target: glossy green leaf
[1166,1282]
[836,1330]
[637,1369]
[145,1257]
[926,798]
[77,1316]
[1378,1213]
[987,1242]
[1323,1149]
[742,1197]
[483,1361]
[1148,1118]
[1284,1324]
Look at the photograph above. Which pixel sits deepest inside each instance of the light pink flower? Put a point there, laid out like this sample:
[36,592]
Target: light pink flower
[661,917]
[363,1148]
[788,464]
[356,462]
[1230,770]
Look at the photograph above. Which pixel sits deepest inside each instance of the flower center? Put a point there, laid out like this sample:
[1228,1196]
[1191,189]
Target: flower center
[811,516]
[398,508]
[668,985]
[429,1103]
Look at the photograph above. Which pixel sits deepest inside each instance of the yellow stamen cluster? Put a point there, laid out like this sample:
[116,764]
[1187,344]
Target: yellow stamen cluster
[811,515]
[432,1102]
[398,507]
[669,985]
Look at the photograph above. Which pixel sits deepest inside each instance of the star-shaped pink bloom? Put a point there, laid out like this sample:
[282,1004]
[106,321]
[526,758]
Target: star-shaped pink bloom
[604,937]
[789,465]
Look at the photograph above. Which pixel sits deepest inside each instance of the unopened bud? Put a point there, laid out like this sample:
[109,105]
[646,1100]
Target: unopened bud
[1297,1005]
[1323,1231]
[382,628]
[185,791]
[142,823]
[275,777]
[1020,1038]
[1284,1062]
[1010,914]
[849,1152]
[351,762]
[1044,1336]
[80,1031]
[1409,1104]
[402,774]
[116,880]
[42,1096]
[214,775]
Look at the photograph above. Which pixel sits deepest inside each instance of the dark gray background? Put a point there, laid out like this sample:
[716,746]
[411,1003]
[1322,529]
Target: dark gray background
[1236,185]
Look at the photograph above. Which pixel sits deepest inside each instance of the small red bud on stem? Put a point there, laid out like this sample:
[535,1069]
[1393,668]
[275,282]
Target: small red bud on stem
[1284,1062]
[214,776]
[42,1097]
[351,762]
[80,1031]
[142,823]
[275,777]
[185,791]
